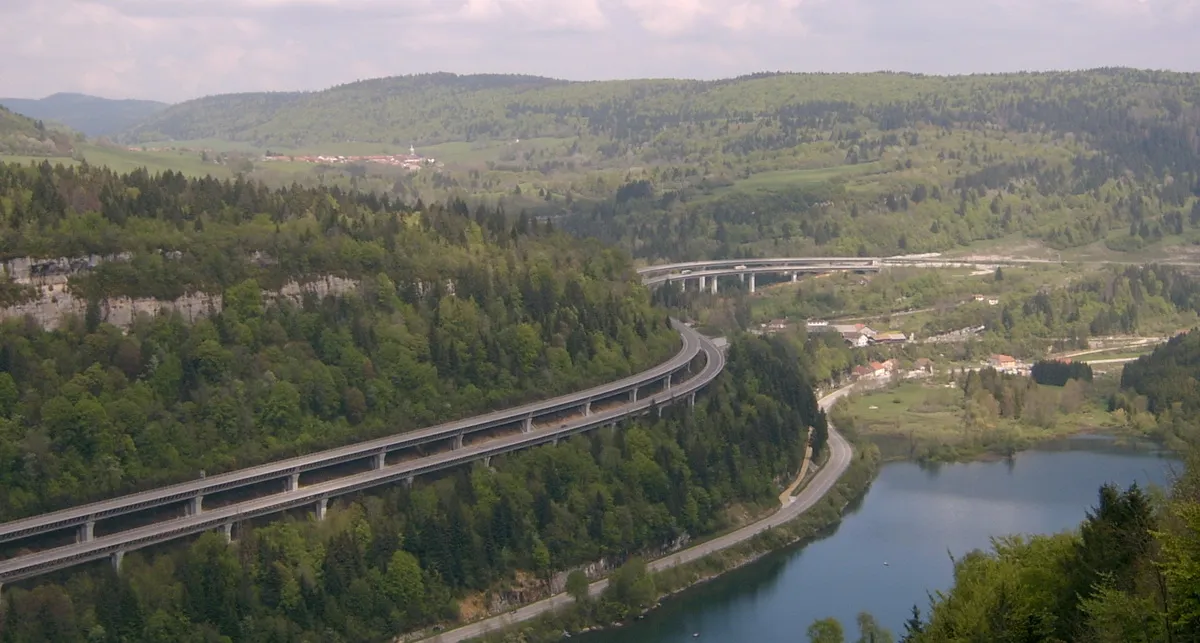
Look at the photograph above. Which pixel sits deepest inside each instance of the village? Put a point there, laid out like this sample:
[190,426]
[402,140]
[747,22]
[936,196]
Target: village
[862,336]
[411,161]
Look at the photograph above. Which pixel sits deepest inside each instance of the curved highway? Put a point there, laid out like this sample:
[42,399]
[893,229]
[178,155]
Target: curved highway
[81,515]
[117,544]
[840,454]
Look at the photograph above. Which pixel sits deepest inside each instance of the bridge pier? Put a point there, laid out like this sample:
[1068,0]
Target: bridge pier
[87,531]
[703,282]
[667,382]
[751,282]
[692,400]
[117,557]
[633,396]
[408,481]
[794,277]
[322,507]
[487,461]
[458,441]
[380,459]
[712,285]
[527,424]
[587,408]
[292,483]
[195,505]
[227,529]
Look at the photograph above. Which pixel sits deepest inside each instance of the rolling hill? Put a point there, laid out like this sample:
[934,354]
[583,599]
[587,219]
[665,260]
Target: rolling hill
[1105,159]
[91,115]
[21,136]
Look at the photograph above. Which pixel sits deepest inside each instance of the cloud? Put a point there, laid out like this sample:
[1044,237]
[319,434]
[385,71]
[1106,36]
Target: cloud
[178,49]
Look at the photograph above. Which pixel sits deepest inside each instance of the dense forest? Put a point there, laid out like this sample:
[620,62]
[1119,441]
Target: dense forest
[403,558]
[456,312]
[1165,384]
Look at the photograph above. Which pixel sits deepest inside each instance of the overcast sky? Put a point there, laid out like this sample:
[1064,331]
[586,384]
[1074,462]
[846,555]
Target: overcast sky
[173,50]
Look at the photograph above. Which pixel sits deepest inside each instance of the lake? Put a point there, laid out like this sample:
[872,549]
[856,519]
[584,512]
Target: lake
[912,518]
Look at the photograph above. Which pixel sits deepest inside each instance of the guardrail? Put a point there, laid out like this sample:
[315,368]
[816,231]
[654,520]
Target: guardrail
[115,545]
[290,468]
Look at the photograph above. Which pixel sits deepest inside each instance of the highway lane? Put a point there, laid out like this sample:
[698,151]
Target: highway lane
[725,271]
[35,564]
[80,515]
[691,265]
[840,454]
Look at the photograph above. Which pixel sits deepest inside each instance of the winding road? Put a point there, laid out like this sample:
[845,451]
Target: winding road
[840,454]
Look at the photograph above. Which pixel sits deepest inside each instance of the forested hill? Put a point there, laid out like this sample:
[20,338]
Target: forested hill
[451,312]
[833,164]
[783,108]
[91,115]
[405,558]
[24,136]
[426,108]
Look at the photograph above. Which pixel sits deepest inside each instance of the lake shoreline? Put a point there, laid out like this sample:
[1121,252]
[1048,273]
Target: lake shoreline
[818,522]
[828,528]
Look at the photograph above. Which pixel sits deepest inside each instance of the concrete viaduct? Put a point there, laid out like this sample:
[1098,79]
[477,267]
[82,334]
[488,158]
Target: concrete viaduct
[672,381]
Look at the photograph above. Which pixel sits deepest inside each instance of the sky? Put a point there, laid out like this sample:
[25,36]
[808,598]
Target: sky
[173,50]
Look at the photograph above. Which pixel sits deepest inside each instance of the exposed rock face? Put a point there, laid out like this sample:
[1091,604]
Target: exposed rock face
[56,301]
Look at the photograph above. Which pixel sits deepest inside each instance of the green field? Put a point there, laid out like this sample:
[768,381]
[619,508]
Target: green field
[927,421]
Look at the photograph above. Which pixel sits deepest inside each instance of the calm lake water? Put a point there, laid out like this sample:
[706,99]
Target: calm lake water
[912,518]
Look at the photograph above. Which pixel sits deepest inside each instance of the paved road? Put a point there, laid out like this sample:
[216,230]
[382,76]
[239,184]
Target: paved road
[840,455]
[78,515]
[31,565]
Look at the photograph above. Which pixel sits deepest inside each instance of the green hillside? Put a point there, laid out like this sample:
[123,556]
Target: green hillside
[25,137]
[91,115]
[1093,162]
[427,108]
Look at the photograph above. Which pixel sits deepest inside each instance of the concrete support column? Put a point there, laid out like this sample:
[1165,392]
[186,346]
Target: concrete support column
[117,557]
[322,506]
[487,461]
[703,282]
[293,482]
[408,481]
[227,529]
[458,441]
[751,282]
[794,276]
[587,408]
[692,400]
[667,382]
[195,506]
[633,395]
[527,425]
[712,285]
[86,531]
[380,459]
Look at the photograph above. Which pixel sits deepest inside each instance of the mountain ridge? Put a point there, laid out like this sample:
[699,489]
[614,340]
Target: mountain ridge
[442,107]
[92,115]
